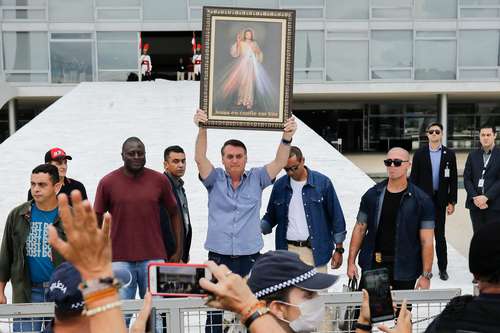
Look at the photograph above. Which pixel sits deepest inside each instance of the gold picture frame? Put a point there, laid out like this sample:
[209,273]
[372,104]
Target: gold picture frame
[247,67]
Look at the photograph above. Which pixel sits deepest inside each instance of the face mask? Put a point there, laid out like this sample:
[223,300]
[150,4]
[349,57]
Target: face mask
[312,313]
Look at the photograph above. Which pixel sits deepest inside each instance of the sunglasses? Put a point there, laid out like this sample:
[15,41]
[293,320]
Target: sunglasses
[292,168]
[434,131]
[397,162]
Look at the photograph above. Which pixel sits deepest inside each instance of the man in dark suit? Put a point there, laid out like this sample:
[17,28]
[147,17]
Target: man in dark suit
[482,180]
[434,170]
[175,167]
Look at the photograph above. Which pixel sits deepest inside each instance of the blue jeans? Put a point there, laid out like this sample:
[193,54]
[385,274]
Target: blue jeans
[133,275]
[38,295]
[240,265]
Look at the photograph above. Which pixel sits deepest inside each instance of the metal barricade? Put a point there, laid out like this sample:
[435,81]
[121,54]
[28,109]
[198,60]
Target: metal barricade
[188,315]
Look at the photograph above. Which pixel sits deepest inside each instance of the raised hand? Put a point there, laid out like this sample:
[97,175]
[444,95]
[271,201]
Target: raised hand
[88,248]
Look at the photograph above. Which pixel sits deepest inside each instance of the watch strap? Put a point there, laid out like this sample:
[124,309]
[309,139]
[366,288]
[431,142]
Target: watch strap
[258,313]
[363,327]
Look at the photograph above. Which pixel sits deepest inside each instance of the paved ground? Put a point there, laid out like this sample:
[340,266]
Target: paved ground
[458,225]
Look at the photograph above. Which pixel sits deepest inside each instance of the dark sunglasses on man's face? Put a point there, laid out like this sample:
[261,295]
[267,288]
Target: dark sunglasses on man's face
[292,168]
[434,131]
[397,162]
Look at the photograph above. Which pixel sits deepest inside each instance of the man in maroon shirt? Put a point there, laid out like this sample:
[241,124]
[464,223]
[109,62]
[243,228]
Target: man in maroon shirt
[132,194]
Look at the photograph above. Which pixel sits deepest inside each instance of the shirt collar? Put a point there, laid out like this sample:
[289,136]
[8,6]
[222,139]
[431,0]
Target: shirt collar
[245,174]
[488,151]
[435,150]
[178,182]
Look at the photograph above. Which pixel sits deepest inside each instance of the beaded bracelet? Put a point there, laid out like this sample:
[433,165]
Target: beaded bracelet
[101,308]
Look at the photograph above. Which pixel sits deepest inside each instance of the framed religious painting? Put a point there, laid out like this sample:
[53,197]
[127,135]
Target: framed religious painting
[247,67]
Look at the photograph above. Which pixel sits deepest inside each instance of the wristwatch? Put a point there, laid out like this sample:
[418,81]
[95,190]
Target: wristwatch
[339,250]
[427,275]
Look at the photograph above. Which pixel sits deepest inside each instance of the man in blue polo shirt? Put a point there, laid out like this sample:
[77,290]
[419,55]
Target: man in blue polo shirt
[234,199]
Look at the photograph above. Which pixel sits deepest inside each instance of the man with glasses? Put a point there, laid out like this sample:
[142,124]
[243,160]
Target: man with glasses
[309,219]
[434,170]
[482,180]
[395,228]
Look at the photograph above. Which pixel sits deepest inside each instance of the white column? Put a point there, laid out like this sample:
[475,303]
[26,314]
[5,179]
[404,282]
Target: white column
[12,116]
[443,116]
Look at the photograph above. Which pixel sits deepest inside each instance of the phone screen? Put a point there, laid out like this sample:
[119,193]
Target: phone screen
[177,279]
[377,283]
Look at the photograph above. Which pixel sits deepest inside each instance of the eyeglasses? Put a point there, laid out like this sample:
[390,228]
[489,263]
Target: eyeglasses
[397,162]
[434,131]
[292,168]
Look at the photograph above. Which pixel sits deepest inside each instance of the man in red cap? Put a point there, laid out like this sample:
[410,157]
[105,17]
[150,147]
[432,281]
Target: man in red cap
[59,158]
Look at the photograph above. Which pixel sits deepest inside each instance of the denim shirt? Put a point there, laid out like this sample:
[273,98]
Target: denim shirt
[416,212]
[233,214]
[324,216]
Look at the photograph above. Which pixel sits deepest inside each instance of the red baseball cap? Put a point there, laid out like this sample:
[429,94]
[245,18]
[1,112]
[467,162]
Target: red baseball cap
[56,154]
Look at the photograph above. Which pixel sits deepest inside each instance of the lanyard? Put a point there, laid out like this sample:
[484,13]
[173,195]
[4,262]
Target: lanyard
[485,165]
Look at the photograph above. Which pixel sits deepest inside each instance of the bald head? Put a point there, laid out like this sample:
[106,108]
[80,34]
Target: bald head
[398,152]
[403,158]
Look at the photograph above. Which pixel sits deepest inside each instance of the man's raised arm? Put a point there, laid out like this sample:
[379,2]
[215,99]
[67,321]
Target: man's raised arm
[200,155]
[283,152]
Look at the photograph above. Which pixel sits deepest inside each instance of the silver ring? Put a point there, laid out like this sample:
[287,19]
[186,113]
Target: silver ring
[228,273]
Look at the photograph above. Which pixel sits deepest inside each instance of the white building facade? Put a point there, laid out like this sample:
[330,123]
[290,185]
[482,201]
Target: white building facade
[373,73]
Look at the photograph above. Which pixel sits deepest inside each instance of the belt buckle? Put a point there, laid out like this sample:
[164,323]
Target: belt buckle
[378,257]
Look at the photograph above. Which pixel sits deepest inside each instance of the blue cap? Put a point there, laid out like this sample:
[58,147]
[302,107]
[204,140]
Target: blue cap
[276,270]
[63,289]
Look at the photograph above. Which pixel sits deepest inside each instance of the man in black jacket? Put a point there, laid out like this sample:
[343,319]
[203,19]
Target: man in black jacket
[482,180]
[434,170]
[175,167]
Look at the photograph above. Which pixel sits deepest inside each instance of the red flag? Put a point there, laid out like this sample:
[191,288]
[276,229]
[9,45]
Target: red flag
[193,43]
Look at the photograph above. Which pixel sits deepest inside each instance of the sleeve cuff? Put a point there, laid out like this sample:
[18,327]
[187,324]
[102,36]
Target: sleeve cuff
[207,182]
[264,175]
[427,224]
[362,218]
[265,227]
[339,237]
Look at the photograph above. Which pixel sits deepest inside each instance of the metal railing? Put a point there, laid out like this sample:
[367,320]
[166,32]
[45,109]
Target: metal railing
[188,315]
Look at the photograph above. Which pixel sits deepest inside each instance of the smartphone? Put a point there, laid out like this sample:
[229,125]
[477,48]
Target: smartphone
[169,279]
[377,283]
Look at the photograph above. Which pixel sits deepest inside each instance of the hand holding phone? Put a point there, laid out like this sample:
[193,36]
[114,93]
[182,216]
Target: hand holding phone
[376,283]
[171,279]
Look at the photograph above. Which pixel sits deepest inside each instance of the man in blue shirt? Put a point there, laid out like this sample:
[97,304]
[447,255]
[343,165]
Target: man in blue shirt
[308,215]
[234,199]
[26,231]
[395,228]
